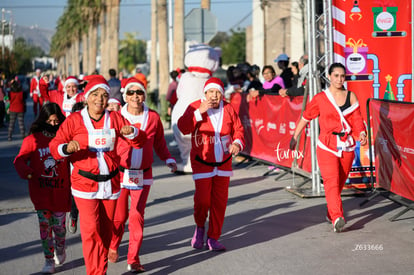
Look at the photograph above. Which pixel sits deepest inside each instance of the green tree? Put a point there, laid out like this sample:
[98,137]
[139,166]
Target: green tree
[219,39]
[131,51]
[19,61]
[234,51]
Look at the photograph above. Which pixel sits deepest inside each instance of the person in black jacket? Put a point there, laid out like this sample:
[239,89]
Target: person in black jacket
[283,63]
[298,88]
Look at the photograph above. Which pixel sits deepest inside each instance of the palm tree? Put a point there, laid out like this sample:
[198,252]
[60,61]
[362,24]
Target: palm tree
[178,34]
[153,81]
[109,36]
[131,52]
[205,4]
[163,58]
[90,15]
[79,22]
[113,34]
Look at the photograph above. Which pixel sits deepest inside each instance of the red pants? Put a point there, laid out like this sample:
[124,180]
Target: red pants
[334,172]
[136,221]
[96,222]
[211,194]
[37,103]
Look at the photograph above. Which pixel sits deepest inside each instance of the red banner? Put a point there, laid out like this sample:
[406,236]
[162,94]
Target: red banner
[373,39]
[269,123]
[392,123]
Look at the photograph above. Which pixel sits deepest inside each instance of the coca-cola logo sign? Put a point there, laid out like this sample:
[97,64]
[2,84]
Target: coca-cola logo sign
[385,20]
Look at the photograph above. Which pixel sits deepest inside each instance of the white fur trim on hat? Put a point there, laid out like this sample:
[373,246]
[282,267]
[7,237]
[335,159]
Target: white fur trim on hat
[215,86]
[114,100]
[131,84]
[97,86]
[71,80]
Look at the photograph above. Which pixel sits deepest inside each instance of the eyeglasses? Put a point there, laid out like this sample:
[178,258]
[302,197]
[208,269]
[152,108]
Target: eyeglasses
[138,92]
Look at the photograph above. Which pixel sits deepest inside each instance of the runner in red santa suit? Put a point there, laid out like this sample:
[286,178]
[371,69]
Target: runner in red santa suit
[49,184]
[201,61]
[340,123]
[89,138]
[68,97]
[44,90]
[35,92]
[136,172]
[216,135]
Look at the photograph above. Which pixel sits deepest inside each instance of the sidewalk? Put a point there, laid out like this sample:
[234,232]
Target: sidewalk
[267,230]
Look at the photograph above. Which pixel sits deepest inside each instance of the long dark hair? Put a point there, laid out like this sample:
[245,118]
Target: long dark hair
[46,111]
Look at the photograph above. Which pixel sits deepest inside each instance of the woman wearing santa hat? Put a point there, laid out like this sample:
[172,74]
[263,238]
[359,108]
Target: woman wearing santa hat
[114,105]
[216,135]
[35,92]
[136,172]
[89,139]
[68,97]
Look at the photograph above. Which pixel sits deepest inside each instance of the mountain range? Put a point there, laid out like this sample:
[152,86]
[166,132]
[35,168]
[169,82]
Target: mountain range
[35,36]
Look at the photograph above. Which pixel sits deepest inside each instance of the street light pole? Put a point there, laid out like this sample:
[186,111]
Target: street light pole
[263,5]
[2,35]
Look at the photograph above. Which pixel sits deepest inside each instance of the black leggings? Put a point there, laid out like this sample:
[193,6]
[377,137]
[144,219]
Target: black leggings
[20,120]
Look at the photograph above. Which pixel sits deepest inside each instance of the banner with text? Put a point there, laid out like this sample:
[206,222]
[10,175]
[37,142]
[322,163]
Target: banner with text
[269,123]
[392,124]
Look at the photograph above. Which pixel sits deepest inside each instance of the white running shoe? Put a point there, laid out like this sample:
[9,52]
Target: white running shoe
[60,256]
[339,224]
[49,267]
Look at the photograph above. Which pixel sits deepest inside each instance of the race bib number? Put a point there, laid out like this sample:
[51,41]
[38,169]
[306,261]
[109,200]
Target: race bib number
[133,179]
[101,140]
[67,106]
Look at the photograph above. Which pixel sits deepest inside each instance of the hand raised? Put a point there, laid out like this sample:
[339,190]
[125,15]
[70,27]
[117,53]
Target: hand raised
[126,130]
[73,146]
[204,106]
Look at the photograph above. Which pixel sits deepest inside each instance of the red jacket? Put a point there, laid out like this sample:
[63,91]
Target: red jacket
[324,106]
[143,158]
[73,128]
[204,139]
[44,90]
[16,102]
[57,97]
[49,186]
[34,86]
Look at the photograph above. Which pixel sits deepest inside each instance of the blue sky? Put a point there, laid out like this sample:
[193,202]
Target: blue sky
[134,15]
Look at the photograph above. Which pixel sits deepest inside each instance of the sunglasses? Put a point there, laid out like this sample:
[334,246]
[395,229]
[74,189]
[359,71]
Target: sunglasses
[138,92]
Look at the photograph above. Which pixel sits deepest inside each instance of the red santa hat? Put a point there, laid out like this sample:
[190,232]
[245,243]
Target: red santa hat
[95,81]
[123,84]
[70,79]
[130,82]
[214,82]
[114,100]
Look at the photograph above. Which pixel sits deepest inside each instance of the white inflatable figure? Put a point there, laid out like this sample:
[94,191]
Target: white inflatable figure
[201,61]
